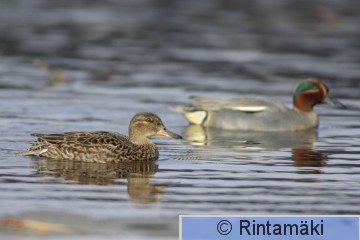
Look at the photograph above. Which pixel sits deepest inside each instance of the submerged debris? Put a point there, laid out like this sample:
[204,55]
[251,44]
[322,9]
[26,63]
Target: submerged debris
[57,76]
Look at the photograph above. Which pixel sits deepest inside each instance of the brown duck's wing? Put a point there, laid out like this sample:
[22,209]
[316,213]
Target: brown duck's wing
[84,138]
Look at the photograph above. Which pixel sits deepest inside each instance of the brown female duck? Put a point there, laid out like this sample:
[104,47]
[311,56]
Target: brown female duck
[104,147]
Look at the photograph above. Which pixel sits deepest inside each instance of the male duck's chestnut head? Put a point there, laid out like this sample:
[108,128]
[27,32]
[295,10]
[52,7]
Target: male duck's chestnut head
[310,92]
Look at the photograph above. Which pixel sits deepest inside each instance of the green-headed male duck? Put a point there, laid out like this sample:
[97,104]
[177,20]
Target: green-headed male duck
[251,114]
[102,147]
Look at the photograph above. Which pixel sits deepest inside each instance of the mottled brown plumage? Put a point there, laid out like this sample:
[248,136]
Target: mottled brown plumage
[104,147]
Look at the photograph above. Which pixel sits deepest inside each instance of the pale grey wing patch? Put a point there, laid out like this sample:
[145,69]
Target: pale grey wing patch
[249,109]
[238,104]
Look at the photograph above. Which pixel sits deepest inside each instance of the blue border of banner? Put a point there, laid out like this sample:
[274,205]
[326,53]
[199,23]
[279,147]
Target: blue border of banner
[303,227]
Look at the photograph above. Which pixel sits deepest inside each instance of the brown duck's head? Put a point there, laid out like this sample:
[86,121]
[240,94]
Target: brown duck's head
[145,125]
[310,92]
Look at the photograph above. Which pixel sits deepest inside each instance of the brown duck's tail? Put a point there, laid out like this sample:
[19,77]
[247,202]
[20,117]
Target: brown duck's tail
[27,153]
[33,151]
[30,153]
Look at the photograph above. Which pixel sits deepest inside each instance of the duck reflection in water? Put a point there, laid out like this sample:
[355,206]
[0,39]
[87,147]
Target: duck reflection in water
[309,158]
[138,175]
[301,143]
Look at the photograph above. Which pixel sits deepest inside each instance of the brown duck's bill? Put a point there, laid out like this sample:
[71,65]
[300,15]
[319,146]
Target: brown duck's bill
[168,134]
[333,102]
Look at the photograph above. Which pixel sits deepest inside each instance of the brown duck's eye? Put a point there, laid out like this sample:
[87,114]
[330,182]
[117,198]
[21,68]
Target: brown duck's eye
[149,120]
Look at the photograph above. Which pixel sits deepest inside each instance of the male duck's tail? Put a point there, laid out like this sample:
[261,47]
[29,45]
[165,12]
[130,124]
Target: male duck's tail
[192,114]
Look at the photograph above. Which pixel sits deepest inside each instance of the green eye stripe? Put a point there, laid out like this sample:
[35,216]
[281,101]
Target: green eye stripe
[305,86]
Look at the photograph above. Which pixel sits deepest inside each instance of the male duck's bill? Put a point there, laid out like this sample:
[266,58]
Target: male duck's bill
[334,102]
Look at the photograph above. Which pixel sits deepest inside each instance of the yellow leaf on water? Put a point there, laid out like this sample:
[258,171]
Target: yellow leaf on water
[39,227]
